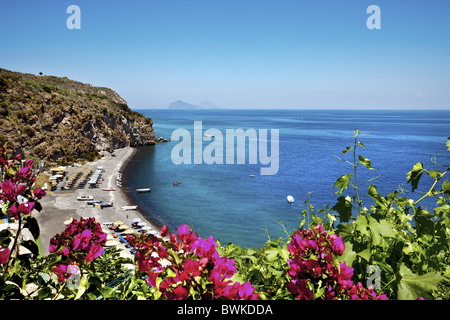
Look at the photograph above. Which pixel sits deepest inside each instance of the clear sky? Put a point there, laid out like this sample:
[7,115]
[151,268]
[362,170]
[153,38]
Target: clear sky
[240,53]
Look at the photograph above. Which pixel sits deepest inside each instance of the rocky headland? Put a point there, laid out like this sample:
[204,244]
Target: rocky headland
[58,119]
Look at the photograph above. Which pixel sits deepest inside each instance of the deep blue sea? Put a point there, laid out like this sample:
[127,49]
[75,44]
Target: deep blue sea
[222,200]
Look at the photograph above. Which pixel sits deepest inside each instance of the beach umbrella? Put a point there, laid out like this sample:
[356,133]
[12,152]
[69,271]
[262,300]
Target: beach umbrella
[146,228]
[68,221]
[123,227]
[129,231]
[142,224]
[118,223]
[111,243]
[135,220]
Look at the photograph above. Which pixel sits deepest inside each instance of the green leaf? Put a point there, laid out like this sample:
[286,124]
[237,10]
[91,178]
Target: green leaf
[342,183]
[108,293]
[365,162]
[445,187]
[448,145]
[33,226]
[344,208]
[380,229]
[377,198]
[365,254]
[361,225]
[414,175]
[360,143]
[345,231]
[413,286]
[82,287]
[423,221]
[30,245]
[347,149]
[167,273]
[349,255]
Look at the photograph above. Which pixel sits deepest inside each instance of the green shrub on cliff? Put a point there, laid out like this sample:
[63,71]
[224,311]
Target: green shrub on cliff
[70,117]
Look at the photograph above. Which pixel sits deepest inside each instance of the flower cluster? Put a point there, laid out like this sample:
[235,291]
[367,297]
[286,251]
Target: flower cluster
[188,267]
[82,241]
[315,272]
[14,190]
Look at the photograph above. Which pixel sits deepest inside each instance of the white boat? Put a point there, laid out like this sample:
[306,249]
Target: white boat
[144,190]
[129,207]
[85,198]
[290,199]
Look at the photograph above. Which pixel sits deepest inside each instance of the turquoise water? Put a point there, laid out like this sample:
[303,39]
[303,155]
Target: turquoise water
[225,202]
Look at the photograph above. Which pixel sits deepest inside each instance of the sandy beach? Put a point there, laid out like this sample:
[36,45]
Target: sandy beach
[60,206]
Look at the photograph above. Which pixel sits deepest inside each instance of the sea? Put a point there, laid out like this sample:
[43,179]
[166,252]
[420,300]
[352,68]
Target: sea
[234,202]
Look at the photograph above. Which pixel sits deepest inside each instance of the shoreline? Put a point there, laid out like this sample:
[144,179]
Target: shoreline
[126,195]
[59,206]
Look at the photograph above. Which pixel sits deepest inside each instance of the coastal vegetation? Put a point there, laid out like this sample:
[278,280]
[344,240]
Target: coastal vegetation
[367,246]
[58,119]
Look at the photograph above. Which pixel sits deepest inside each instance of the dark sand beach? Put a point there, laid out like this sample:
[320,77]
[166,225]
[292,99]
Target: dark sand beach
[60,206]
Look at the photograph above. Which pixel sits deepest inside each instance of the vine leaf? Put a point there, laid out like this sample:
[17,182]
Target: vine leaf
[342,183]
[344,208]
[413,286]
[414,175]
[365,162]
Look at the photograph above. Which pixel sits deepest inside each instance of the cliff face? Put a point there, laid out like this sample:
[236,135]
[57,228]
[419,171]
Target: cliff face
[56,118]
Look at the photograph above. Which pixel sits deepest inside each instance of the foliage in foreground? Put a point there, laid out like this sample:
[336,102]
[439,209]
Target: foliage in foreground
[395,250]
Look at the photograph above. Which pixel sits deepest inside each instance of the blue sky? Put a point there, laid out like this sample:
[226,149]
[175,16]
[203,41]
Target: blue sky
[240,54]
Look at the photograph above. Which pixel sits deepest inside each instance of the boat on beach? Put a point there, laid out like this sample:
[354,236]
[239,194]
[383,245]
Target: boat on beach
[129,207]
[143,190]
[109,189]
[85,198]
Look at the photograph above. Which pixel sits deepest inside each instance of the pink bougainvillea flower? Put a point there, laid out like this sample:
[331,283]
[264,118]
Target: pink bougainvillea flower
[39,193]
[13,212]
[95,251]
[338,245]
[26,207]
[180,293]
[64,271]
[164,231]
[4,255]
[247,292]
[8,190]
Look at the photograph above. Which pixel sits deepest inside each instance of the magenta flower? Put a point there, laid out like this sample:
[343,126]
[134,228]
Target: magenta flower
[64,271]
[95,251]
[39,193]
[26,207]
[164,231]
[4,255]
[8,190]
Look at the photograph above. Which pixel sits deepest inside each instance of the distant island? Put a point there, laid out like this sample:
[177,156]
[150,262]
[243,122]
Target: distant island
[185,105]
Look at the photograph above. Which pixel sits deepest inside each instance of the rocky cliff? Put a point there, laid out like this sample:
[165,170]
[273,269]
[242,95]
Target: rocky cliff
[57,118]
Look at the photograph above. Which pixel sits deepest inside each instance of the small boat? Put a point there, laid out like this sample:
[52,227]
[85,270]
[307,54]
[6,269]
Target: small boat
[290,199]
[103,205]
[93,203]
[129,207]
[252,176]
[143,190]
[109,189]
[85,198]
[175,183]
